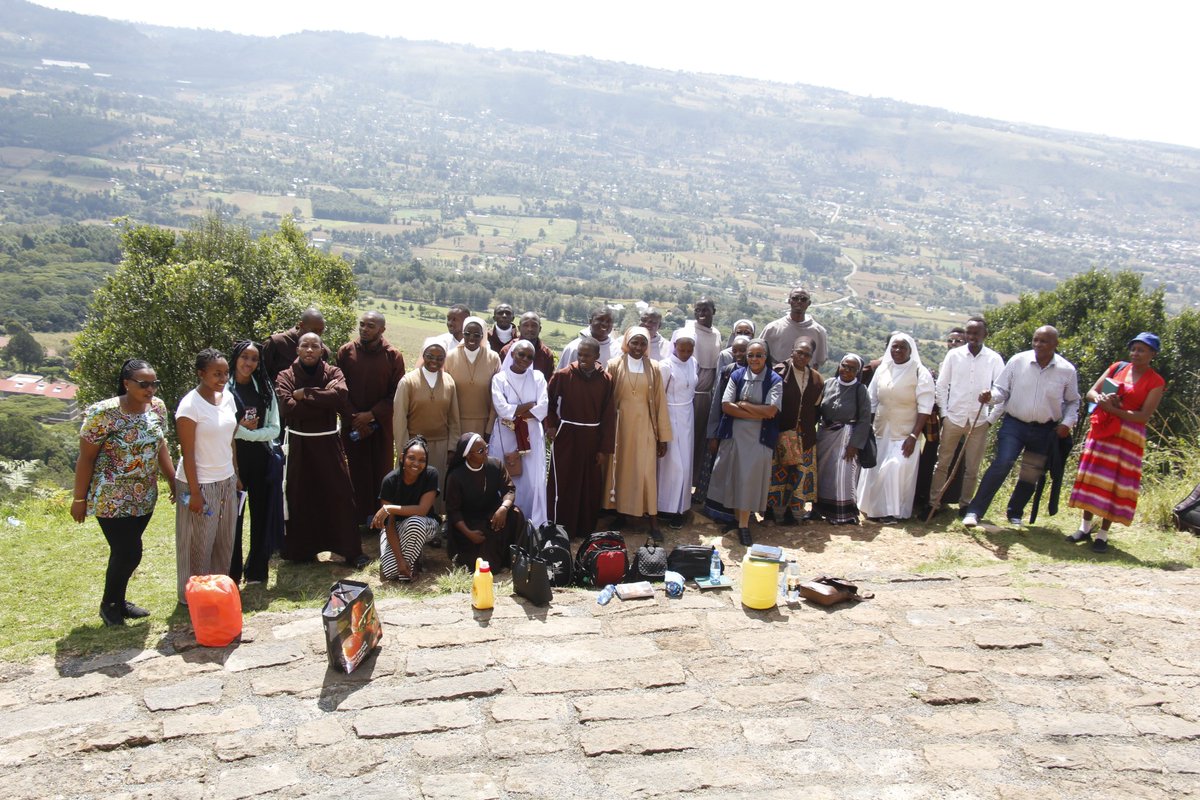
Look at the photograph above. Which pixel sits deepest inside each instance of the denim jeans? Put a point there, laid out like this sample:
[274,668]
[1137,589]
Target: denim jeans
[1014,437]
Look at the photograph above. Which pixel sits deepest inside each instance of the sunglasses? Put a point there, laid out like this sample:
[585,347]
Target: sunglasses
[472,335]
[146,384]
[756,355]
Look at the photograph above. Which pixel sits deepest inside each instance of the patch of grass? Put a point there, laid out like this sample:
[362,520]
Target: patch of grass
[947,559]
[52,575]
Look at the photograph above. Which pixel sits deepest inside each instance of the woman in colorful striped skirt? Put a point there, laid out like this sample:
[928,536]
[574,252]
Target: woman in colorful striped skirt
[1110,468]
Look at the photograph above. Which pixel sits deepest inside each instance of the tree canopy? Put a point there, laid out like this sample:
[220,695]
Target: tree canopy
[1096,315]
[175,294]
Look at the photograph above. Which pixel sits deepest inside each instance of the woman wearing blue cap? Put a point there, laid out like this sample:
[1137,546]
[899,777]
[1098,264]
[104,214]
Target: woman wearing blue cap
[1110,468]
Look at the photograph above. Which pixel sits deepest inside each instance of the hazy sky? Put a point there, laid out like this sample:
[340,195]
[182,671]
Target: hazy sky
[1102,67]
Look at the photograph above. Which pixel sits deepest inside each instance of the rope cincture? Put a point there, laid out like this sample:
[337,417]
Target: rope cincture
[287,450]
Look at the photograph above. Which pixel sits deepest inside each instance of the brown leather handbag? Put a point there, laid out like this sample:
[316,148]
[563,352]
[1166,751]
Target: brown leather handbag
[828,591]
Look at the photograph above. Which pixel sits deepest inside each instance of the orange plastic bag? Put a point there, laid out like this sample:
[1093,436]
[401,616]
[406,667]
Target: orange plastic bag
[215,607]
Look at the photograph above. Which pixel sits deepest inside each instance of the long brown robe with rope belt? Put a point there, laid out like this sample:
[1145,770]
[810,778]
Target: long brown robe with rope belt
[582,419]
[319,497]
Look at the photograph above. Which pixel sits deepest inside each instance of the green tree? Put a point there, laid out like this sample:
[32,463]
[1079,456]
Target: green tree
[173,296]
[1096,315]
[22,349]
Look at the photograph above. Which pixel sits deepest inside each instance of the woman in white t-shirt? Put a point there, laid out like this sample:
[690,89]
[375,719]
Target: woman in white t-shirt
[207,481]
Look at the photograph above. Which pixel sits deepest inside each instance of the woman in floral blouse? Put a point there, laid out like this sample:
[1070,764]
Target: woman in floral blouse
[122,446]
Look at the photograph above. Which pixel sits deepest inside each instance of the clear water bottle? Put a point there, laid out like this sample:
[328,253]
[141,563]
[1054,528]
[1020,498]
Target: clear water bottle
[186,499]
[354,436]
[714,566]
[793,582]
[606,594]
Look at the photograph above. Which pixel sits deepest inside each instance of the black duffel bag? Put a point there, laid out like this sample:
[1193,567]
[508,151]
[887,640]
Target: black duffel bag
[691,560]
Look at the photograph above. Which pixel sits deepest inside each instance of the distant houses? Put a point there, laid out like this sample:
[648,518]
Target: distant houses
[37,386]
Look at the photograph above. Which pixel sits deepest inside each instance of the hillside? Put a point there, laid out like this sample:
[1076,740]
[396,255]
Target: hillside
[568,179]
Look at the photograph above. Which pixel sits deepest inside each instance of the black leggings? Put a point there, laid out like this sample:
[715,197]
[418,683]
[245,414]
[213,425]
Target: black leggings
[252,469]
[124,535]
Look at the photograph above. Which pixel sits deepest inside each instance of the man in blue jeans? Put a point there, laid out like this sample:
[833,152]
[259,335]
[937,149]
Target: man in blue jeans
[1039,392]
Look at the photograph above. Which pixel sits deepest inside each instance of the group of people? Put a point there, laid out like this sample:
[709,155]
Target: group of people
[491,432]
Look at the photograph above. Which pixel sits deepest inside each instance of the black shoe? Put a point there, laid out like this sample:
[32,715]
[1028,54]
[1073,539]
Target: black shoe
[362,561]
[656,535]
[112,615]
[436,541]
[1078,536]
[744,537]
[1100,546]
[675,523]
[769,515]
[788,518]
[135,612]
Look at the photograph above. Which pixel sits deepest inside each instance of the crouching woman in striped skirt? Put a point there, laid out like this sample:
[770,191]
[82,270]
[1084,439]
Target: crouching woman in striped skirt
[405,508]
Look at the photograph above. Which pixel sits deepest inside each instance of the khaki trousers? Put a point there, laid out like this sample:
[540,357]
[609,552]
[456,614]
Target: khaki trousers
[973,450]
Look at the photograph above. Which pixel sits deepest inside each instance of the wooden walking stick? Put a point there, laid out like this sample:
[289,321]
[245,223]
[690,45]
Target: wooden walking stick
[952,473]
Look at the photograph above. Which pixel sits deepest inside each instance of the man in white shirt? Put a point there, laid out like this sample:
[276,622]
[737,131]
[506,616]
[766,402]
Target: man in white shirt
[1039,390]
[781,335]
[456,315]
[600,325]
[660,347]
[963,387]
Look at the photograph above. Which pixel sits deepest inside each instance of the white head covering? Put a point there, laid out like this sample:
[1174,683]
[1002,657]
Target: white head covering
[683,370]
[750,322]
[860,361]
[914,359]
[478,321]
[636,365]
[508,359]
[431,378]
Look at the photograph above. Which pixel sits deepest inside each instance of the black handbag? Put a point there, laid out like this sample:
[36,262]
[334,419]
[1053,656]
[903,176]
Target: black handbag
[690,560]
[649,563]
[530,575]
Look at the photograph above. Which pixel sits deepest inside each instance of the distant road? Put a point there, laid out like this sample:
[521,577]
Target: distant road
[851,292]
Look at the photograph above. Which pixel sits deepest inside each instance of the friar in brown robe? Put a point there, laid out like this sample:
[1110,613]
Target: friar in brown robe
[318,494]
[279,350]
[581,424]
[372,368]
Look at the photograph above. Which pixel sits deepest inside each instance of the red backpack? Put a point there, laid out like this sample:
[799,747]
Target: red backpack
[602,559]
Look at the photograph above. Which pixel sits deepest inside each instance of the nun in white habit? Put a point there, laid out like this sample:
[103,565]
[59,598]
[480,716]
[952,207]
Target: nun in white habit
[901,393]
[519,397]
[679,376]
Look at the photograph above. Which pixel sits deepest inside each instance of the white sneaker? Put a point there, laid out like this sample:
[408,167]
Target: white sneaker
[970,520]
[1015,522]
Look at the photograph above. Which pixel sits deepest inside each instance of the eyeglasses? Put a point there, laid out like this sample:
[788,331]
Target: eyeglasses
[756,355]
[146,384]
[467,335]
[522,356]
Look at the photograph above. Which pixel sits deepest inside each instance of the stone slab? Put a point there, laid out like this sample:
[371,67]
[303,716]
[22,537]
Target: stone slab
[257,656]
[631,674]
[23,721]
[449,661]
[390,721]
[481,684]
[514,708]
[523,739]
[459,786]
[233,719]
[637,705]
[242,782]
[194,692]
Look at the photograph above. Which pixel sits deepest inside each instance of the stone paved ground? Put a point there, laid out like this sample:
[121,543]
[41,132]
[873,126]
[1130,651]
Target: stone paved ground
[1058,682]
